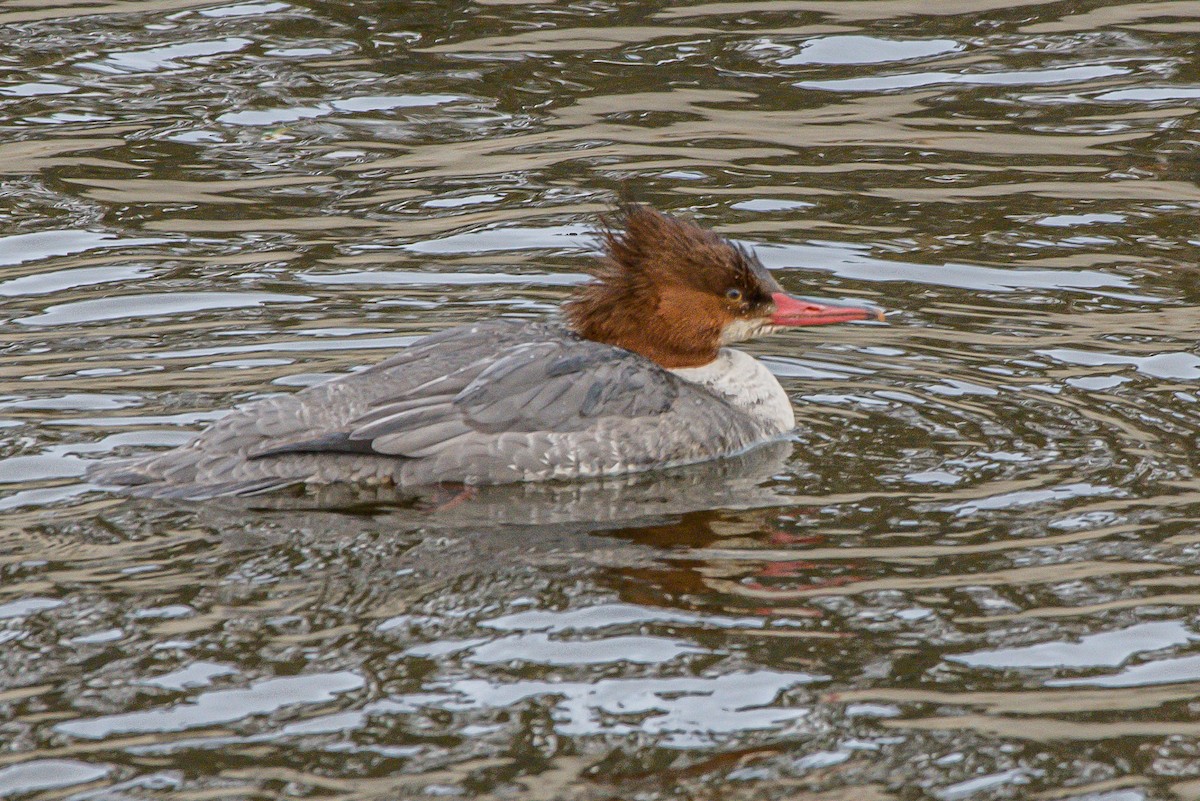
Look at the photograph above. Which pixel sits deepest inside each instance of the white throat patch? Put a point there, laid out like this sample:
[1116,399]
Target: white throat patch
[741,329]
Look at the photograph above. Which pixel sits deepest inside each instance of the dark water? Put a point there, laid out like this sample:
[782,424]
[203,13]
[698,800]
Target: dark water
[971,576]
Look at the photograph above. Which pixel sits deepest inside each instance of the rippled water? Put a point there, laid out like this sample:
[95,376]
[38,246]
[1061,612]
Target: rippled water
[971,575]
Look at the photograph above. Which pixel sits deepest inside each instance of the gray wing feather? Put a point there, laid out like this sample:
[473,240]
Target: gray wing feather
[564,386]
[555,386]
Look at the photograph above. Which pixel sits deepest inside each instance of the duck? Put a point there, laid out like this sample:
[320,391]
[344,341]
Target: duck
[635,373]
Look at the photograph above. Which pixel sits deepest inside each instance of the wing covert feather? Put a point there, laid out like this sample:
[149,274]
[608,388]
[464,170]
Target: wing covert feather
[560,385]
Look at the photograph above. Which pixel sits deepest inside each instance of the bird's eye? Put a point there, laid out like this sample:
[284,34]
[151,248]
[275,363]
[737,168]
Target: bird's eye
[733,293]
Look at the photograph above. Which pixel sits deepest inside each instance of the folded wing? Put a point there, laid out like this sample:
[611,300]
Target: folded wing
[558,386]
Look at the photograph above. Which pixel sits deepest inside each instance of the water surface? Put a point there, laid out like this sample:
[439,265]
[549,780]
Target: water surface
[969,575]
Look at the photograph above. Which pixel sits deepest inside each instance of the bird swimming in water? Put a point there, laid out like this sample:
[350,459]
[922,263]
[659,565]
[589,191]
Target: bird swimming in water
[636,374]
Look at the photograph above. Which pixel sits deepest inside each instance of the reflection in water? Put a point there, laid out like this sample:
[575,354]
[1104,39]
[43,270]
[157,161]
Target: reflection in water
[971,575]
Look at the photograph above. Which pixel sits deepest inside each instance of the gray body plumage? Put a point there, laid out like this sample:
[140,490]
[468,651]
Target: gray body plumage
[492,403]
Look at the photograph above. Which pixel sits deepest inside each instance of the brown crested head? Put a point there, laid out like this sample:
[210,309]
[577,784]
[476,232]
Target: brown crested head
[670,290]
[675,292]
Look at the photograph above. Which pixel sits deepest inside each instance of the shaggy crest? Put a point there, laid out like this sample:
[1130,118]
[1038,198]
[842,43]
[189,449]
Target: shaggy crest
[661,285]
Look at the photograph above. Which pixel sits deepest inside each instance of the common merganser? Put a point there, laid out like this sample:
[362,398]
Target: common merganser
[635,376]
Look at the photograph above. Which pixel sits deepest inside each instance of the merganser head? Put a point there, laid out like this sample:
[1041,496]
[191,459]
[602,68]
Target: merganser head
[675,293]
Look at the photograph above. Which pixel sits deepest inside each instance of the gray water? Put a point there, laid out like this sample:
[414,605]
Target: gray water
[971,574]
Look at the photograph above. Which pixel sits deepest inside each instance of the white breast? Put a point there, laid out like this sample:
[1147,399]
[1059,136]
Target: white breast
[745,382]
